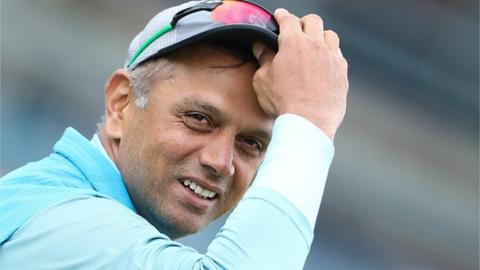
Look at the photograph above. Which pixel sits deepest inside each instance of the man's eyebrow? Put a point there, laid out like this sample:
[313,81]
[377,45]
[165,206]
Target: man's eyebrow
[193,103]
[262,134]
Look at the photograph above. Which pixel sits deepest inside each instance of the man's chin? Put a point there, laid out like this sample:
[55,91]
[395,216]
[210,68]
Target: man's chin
[177,228]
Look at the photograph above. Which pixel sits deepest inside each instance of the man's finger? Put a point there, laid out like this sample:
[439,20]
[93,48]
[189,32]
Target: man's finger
[313,26]
[332,40]
[287,22]
[344,64]
[263,54]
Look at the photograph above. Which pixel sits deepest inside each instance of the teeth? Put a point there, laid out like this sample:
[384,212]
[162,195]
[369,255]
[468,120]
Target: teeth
[198,190]
[205,193]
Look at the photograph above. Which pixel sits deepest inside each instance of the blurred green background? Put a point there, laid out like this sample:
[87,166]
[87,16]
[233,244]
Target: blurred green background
[403,189]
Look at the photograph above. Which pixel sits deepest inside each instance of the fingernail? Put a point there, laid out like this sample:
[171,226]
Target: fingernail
[280,11]
[257,49]
[340,52]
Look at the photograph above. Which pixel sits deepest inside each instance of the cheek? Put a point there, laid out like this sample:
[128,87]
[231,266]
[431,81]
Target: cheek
[164,141]
[145,156]
[176,134]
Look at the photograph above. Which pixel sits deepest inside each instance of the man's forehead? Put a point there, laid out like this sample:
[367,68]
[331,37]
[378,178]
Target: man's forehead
[197,62]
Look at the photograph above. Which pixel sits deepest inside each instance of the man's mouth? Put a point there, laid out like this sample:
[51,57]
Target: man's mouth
[198,190]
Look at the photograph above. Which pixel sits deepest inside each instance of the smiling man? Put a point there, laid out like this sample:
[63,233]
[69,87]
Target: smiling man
[197,123]
[189,154]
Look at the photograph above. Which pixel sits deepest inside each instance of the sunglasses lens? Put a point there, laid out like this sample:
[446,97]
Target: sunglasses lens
[235,12]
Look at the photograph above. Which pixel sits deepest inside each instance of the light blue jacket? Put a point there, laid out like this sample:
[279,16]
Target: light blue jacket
[71,210]
[75,168]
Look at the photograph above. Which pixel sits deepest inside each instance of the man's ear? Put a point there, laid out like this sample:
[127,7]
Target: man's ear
[119,103]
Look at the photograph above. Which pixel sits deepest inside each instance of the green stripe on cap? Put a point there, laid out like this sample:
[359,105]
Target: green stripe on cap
[150,40]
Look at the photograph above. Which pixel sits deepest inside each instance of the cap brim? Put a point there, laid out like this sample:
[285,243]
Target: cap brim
[239,34]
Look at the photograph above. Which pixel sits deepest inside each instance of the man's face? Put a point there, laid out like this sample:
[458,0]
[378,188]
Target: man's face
[204,128]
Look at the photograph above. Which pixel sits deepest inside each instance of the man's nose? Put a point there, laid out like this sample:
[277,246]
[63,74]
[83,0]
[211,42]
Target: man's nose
[217,156]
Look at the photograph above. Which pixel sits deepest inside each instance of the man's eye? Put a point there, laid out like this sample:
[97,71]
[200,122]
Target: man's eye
[198,121]
[198,117]
[251,146]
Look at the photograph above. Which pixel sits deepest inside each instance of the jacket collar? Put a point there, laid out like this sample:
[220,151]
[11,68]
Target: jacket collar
[101,173]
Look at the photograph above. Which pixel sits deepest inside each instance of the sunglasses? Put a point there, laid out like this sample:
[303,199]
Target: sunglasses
[225,12]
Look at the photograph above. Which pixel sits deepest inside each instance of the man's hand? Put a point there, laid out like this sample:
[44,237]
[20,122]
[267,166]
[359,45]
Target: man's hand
[308,75]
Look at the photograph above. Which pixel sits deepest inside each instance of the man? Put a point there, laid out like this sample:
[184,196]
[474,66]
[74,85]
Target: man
[187,124]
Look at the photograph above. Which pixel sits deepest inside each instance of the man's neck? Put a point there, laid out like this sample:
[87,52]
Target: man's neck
[109,145]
